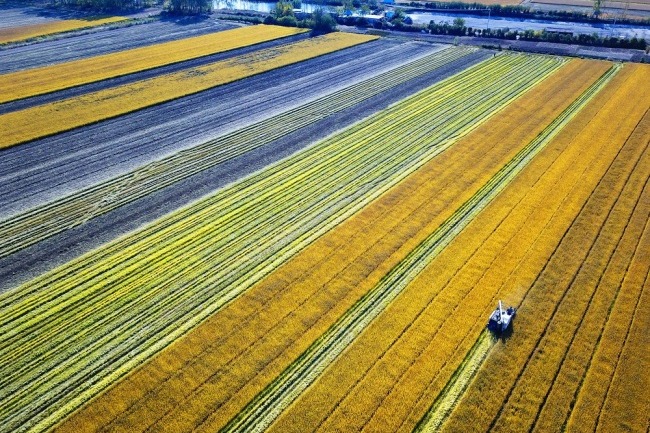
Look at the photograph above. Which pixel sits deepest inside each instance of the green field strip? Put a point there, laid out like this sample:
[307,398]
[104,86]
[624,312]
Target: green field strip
[69,334]
[39,81]
[262,410]
[40,223]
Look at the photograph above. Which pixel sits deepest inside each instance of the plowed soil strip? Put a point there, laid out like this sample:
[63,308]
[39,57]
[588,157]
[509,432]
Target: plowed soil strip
[47,79]
[588,209]
[31,123]
[34,226]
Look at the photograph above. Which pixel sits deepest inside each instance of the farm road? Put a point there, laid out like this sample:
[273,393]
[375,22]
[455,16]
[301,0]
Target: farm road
[41,257]
[78,46]
[43,170]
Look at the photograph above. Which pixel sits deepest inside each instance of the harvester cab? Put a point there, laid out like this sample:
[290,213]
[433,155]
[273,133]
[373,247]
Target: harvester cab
[500,319]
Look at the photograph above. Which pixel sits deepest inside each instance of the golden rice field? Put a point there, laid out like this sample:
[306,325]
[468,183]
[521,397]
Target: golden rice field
[346,286]
[37,81]
[22,33]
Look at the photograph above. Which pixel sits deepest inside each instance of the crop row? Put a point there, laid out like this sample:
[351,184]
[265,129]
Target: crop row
[396,357]
[580,239]
[22,33]
[68,334]
[23,84]
[48,119]
[38,224]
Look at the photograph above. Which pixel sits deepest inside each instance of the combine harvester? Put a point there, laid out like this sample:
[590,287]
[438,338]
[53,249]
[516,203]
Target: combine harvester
[500,320]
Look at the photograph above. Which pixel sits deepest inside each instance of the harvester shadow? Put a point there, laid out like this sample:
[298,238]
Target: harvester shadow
[503,336]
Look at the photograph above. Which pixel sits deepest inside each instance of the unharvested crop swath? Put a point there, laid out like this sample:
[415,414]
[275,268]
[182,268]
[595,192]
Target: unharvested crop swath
[47,79]
[72,332]
[17,34]
[40,223]
[557,368]
[384,379]
[29,124]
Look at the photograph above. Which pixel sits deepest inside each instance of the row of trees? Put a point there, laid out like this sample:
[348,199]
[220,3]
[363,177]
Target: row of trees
[522,11]
[458,28]
[189,7]
[104,5]
[185,7]
[320,21]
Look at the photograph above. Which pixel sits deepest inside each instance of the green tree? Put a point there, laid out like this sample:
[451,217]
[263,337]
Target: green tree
[459,23]
[322,22]
[283,9]
[189,7]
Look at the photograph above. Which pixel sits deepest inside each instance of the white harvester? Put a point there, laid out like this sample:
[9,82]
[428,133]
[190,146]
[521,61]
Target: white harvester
[500,319]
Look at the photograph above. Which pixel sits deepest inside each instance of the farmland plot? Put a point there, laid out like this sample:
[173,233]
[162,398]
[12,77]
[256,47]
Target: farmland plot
[284,312]
[80,46]
[58,215]
[41,121]
[548,369]
[167,278]
[32,82]
[404,358]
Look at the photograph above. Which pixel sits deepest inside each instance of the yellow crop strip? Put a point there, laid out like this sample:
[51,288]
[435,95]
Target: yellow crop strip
[29,124]
[47,79]
[22,33]
[567,261]
[355,392]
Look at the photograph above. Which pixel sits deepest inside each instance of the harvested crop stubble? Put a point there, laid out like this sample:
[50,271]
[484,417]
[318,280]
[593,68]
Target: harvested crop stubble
[38,224]
[47,79]
[385,371]
[43,120]
[575,255]
[17,34]
[168,277]
[217,368]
